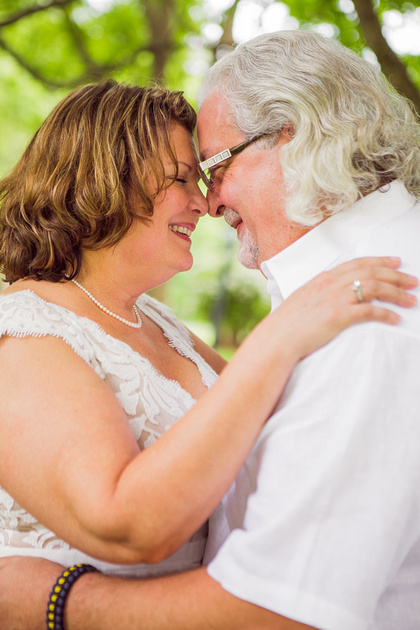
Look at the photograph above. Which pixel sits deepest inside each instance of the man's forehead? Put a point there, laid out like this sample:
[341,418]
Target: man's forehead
[215,128]
[210,149]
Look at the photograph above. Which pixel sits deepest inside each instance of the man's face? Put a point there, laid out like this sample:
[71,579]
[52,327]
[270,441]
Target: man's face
[249,189]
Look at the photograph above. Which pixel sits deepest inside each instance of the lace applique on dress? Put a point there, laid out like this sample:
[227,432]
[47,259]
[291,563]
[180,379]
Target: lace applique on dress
[152,402]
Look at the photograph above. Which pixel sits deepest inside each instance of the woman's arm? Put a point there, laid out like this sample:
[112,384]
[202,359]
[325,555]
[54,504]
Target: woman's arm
[68,455]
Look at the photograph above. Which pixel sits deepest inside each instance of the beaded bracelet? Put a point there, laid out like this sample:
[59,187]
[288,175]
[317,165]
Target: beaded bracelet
[59,593]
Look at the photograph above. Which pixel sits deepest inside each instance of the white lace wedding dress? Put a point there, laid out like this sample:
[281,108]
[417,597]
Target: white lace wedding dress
[152,403]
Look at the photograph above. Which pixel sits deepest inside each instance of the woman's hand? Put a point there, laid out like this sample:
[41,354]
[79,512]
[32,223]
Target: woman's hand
[328,304]
[25,586]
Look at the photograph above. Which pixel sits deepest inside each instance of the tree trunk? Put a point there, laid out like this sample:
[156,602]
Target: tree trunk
[159,14]
[391,65]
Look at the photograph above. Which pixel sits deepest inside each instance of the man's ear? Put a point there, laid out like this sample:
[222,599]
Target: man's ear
[289,131]
[285,136]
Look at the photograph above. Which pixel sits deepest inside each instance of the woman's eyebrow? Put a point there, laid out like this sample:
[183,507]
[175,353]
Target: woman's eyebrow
[187,165]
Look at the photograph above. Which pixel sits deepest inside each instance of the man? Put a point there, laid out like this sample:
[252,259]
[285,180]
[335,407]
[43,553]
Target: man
[322,526]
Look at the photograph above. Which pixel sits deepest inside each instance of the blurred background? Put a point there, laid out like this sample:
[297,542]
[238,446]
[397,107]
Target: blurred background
[48,47]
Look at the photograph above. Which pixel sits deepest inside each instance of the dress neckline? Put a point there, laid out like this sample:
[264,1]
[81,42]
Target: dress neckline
[145,304]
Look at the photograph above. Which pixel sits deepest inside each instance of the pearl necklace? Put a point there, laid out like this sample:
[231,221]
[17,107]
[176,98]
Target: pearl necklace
[110,313]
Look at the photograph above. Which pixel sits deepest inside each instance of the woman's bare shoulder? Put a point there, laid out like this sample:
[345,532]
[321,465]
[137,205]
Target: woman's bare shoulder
[209,354]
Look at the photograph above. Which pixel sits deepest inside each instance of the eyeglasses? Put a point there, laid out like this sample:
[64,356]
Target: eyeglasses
[205,168]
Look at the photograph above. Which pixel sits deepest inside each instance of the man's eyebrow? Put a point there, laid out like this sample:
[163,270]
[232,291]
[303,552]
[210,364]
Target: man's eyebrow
[204,155]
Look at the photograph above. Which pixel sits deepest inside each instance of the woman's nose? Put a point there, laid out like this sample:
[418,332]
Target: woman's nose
[200,203]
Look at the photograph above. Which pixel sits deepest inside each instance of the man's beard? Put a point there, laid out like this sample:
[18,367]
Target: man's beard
[248,253]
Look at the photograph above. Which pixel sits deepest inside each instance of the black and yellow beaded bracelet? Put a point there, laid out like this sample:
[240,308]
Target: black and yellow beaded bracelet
[59,593]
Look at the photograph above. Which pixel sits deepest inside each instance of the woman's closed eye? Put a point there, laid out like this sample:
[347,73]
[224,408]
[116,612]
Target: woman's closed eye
[177,178]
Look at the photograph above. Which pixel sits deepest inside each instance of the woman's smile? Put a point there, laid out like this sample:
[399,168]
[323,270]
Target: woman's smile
[183,230]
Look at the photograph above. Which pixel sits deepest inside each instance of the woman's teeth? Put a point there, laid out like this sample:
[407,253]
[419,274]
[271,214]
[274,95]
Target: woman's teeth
[180,229]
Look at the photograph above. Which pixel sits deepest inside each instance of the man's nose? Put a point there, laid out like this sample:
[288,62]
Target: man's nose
[216,208]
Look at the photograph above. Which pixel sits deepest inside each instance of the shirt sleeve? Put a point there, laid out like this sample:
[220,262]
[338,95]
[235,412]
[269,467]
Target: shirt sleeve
[326,507]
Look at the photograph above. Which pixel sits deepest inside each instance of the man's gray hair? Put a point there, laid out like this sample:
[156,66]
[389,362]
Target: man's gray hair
[351,132]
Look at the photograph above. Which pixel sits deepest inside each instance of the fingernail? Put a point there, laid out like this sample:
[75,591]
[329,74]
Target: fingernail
[411,298]
[413,279]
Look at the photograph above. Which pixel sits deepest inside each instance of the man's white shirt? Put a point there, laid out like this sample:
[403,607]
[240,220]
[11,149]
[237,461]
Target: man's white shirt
[322,524]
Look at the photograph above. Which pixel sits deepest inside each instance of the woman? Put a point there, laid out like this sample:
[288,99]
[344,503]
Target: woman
[99,210]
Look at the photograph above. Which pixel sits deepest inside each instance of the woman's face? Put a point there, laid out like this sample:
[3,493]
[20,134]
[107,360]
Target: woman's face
[161,248]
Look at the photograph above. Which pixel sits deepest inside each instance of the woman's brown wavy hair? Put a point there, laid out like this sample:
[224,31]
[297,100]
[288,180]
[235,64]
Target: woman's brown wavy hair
[70,189]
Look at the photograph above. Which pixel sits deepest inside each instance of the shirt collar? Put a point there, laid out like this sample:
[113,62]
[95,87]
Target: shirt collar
[319,248]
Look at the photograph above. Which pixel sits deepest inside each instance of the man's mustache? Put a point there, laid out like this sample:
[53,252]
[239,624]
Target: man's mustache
[231,217]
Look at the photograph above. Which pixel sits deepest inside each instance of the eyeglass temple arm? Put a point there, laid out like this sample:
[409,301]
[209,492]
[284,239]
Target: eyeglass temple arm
[216,159]
[227,153]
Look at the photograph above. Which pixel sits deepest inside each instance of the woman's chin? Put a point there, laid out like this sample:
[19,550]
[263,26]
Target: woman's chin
[186,264]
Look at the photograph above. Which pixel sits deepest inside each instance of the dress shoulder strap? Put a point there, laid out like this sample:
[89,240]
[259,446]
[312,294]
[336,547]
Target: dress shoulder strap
[24,314]
[166,318]
[177,335]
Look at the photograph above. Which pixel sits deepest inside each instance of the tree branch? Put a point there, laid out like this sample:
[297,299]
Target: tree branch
[390,63]
[30,69]
[227,36]
[226,40]
[93,72]
[35,9]
[159,19]
[80,45]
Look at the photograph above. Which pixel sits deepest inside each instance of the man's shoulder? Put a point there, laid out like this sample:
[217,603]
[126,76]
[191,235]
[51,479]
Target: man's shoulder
[370,344]
[362,366]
